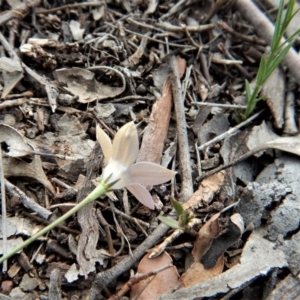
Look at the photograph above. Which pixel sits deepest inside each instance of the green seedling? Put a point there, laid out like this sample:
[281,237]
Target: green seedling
[184,217]
[269,62]
[120,171]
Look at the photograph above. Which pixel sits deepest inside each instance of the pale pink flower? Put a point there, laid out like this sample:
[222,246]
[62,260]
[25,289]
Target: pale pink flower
[122,171]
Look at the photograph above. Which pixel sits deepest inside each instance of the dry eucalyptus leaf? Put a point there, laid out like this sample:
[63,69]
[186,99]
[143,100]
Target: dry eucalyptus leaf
[82,83]
[289,144]
[17,145]
[206,233]
[223,241]
[197,272]
[71,140]
[154,286]
[18,168]
[206,191]
[12,73]
[259,135]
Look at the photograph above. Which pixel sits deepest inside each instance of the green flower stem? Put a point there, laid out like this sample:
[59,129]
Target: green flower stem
[100,190]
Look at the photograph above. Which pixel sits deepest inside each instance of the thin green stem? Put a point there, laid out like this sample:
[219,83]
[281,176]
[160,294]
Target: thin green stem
[100,190]
[268,63]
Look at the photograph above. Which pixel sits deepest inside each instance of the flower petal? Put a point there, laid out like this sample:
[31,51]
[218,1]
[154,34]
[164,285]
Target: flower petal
[105,143]
[149,173]
[115,172]
[126,145]
[140,193]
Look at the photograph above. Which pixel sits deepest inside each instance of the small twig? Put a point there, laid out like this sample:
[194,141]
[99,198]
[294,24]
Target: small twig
[69,6]
[219,105]
[26,201]
[239,67]
[108,235]
[183,144]
[152,39]
[250,39]
[130,218]
[168,240]
[3,207]
[11,103]
[229,132]
[26,94]
[234,162]
[198,160]
[119,229]
[170,27]
[102,279]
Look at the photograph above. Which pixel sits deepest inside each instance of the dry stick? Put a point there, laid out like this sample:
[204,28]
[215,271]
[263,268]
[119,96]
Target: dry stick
[250,39]
[11,103]
[16,192]
[3,206]
[153,39]
[104,278]
[234,162]
[237,106]
[229,132]
[265,29]
[183,144]
[108,235]
[130,218]
[70,6]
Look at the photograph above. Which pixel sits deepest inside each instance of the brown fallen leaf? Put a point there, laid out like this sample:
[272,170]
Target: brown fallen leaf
[156,285]
[206,191]
[83,83]
[156,131]
[197,272]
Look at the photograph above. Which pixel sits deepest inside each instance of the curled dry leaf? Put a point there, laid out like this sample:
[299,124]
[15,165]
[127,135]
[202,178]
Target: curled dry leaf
[223,241]
[18,147]
[154,286]
[289,144]
[197,272]
[82,83]
[16,144]
[206,191]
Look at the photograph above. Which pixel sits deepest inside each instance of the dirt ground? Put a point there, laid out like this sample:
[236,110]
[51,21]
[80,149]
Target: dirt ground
[177,69]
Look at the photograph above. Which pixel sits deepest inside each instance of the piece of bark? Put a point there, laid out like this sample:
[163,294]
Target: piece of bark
[183,144]
[157,129]
[87,219]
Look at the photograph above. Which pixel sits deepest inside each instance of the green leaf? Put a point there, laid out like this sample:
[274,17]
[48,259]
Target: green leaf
[177,206]
[262,70]
[168,221]
[248,91]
